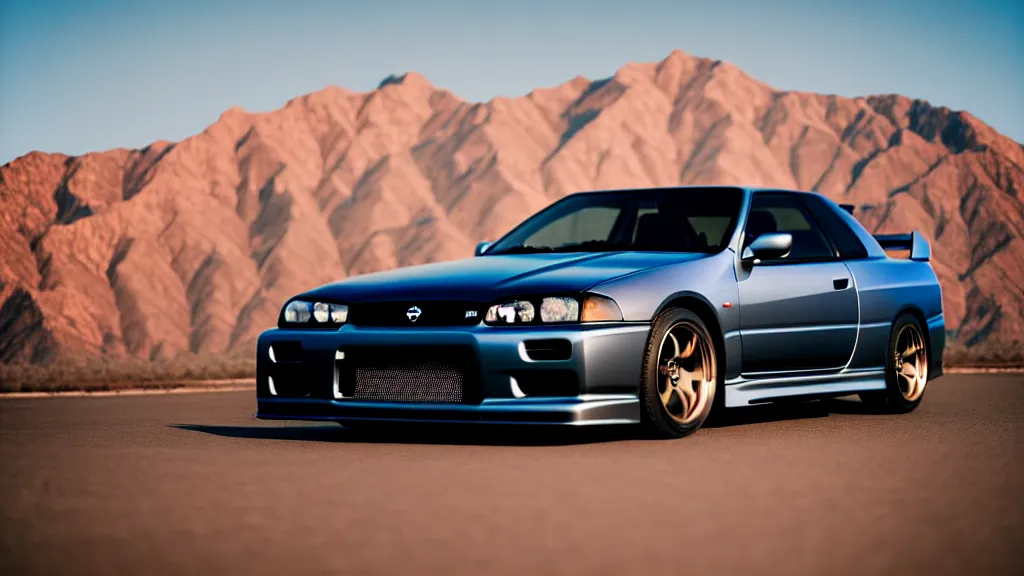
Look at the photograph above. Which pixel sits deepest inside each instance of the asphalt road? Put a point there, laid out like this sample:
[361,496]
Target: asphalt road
[192,484]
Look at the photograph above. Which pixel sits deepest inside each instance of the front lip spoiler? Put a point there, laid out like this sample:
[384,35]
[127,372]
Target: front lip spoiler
[590,409]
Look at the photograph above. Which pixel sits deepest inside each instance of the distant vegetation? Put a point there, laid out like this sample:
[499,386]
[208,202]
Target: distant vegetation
[984,355]
[99,373]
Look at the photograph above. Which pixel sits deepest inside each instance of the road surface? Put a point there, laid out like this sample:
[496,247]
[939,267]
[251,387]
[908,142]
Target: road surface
[192,484]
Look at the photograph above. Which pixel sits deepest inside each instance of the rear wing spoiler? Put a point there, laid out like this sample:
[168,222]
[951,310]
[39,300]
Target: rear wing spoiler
[915,242]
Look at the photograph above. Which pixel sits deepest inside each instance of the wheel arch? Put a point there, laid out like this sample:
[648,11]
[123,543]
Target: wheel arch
[703,309]
[921,321]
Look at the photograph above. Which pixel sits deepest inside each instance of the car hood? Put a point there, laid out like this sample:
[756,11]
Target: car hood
[487,278]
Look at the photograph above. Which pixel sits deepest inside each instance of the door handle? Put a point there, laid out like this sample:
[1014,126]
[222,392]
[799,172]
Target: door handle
[840,283]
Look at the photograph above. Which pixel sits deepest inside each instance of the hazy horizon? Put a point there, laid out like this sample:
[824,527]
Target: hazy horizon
[89,76]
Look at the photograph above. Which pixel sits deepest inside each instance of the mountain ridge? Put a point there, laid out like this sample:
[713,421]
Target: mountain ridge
[192,246]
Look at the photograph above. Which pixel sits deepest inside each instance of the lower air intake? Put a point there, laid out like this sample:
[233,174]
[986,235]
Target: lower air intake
[428,382]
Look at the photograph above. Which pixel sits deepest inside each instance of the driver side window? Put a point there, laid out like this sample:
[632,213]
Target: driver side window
[784,213]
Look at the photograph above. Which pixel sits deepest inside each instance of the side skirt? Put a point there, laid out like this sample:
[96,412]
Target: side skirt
[746,391]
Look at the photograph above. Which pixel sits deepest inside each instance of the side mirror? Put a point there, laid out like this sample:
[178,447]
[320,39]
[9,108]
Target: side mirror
[768,247]
[481,248]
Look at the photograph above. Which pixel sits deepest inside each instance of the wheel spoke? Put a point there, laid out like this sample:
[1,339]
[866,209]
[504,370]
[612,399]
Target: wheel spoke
[909,370]
[686,389]
[684,400]
[675,345]
[691,345]
[666,395]
[686,368]
[912,359]
[912,349]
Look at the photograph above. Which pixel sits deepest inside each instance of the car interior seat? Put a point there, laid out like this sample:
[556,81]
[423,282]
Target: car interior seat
[658,231]
[759,222]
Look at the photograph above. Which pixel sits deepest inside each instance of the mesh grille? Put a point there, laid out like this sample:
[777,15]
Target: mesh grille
[438,382]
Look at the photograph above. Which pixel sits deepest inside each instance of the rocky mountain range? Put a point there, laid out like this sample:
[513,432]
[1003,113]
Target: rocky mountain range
[193,246]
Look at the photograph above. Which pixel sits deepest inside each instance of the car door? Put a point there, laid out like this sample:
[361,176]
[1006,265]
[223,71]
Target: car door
[799,312]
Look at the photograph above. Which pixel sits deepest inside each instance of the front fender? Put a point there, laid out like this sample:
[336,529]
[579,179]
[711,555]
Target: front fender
[711,280]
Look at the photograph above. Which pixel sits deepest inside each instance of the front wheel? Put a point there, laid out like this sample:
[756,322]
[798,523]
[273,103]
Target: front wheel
[906,369]
[680,375]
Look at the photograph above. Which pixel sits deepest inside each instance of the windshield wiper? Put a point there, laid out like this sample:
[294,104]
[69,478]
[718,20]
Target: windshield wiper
[524,250]
[588,246]
[591,246]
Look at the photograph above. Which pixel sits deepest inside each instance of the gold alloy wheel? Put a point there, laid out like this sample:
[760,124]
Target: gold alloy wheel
[686,371]
[911,361]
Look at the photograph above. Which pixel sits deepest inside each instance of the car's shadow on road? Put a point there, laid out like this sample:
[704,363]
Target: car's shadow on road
[462,435]
[498,435]
[782,411]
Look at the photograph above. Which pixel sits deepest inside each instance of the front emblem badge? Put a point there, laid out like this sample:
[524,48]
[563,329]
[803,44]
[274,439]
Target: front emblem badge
[413,313]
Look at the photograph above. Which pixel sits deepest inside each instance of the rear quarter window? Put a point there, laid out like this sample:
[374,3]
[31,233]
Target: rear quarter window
[843,238]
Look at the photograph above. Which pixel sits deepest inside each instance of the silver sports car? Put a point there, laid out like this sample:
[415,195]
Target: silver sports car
[651,306]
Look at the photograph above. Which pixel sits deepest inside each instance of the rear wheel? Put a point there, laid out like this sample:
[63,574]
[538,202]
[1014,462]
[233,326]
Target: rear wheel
[906,369]
[680,375]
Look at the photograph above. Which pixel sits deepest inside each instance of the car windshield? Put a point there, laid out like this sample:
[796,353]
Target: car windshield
[661,220]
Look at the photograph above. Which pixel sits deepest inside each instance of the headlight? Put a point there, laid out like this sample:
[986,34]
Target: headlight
[559,310]
[554,310]
[339,313]
[299,313]
[321,312]
[518,312]
[296,312]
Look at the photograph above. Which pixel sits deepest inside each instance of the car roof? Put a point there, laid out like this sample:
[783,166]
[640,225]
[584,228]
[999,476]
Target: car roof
[781,190]
[749,189]
[657,188]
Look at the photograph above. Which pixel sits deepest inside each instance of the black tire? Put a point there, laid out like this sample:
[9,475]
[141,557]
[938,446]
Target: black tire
[656,418]
[895,399]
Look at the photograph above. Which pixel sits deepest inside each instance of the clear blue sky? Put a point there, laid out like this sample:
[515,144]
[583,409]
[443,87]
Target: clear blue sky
[91,75]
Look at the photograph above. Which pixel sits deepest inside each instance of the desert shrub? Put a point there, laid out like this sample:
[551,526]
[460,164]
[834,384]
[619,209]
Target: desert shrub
[984,355]
[105,373]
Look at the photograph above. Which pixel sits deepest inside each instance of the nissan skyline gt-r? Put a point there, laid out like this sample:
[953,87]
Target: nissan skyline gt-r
[649,307]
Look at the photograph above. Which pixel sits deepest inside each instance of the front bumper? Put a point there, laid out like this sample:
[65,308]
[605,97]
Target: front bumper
[606,360]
